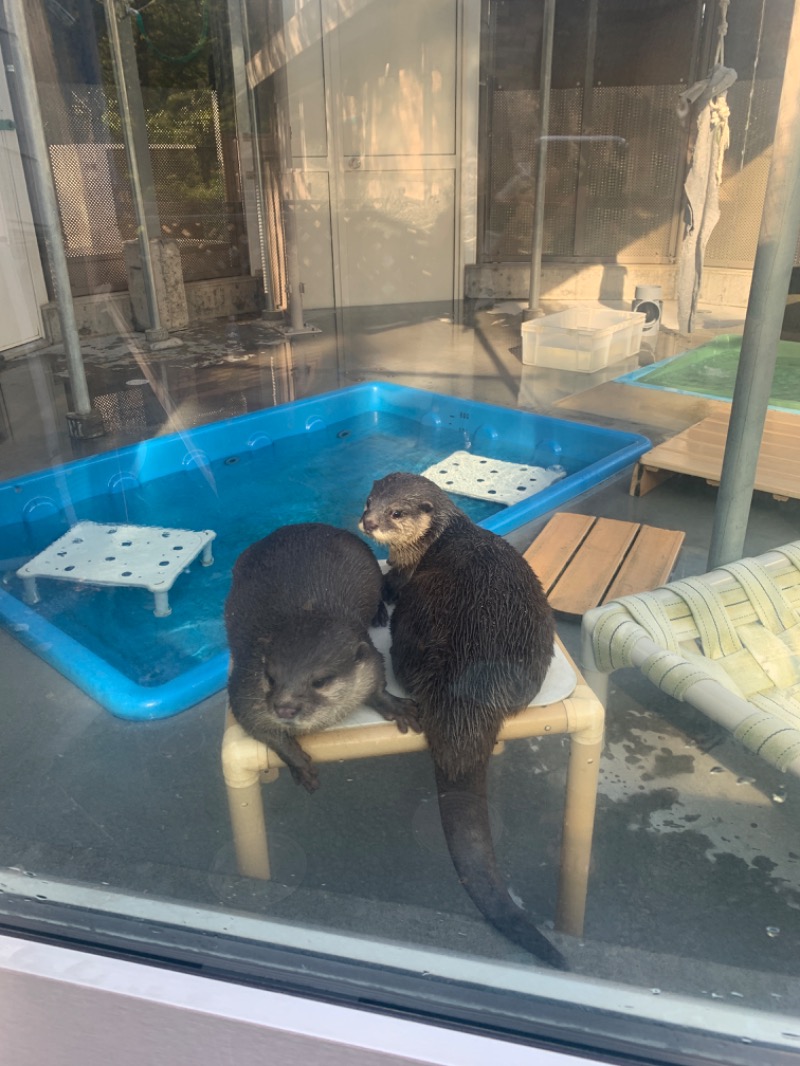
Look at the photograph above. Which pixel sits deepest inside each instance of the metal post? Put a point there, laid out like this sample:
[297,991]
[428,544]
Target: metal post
[249,140]
[114,11]
[545,79]
[296,325]
[780,223]
[83,421]
[138,128]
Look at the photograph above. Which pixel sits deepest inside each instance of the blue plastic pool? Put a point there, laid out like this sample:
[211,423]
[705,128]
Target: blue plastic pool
[311,460]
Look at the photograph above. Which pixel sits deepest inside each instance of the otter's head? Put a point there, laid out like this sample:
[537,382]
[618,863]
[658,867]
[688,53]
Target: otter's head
[406,510]
[314,672]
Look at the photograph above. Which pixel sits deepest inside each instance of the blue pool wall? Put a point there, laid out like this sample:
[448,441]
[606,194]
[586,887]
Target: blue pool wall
[45,502]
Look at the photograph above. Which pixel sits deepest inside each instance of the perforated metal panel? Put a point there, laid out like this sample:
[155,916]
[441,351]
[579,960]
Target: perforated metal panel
[94,191]
[563,168]
[609,193]
[515,131]
[744,177]
[632,159]
[514,124]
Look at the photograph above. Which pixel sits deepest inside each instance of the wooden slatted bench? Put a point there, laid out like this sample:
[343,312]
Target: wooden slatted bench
[583,561]
[700,449]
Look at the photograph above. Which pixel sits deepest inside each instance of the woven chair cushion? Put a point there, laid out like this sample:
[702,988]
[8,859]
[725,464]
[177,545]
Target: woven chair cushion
[738,626]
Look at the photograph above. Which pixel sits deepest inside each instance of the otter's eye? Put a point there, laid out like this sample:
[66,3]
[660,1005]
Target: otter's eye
[397,514]
[322,682]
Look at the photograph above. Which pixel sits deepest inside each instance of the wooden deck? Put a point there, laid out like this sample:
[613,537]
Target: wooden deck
[699,451]
[584,561]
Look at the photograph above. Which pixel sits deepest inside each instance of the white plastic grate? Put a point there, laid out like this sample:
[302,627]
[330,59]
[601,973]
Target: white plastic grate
[96,553]
[559,682]
[491,479]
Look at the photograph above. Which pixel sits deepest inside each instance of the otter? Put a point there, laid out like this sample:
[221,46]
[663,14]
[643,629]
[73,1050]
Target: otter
[302,660]
[472,639]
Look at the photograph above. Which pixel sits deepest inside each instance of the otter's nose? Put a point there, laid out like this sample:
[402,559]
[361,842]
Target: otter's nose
[368,524]
[286,711]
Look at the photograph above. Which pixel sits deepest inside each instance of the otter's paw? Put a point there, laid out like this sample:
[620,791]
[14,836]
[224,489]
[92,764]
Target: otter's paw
[306,776]
[403,713]
[391,587]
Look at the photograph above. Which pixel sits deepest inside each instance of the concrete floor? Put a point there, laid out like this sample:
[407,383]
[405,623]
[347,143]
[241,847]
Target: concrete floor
[695,885]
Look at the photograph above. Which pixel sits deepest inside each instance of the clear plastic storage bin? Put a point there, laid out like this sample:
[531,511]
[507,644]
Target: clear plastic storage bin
[582,338]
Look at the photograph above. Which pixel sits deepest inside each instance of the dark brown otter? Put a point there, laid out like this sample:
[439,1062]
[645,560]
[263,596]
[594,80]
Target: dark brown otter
[297,616]
[472,639]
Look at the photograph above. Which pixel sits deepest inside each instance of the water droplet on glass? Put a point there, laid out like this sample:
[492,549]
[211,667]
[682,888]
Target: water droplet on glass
[717,995]
[656,991]
[716,770]
[773,931]
[779,795]
[745,781]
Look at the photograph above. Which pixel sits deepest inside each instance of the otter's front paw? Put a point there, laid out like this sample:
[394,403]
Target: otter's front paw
[402,712]
[306,776]
[392,583]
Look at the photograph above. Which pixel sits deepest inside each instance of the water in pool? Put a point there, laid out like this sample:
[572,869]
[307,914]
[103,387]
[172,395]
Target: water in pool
[324,476]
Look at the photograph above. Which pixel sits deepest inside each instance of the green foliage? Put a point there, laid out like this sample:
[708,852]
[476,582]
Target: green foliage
[180,58]
[176,95]
[173,28]
[178,103]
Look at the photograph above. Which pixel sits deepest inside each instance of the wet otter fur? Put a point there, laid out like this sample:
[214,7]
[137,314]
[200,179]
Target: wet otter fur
[296,617]
[472,639]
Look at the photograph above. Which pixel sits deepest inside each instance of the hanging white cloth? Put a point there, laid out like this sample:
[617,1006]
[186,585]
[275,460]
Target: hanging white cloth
[708,100]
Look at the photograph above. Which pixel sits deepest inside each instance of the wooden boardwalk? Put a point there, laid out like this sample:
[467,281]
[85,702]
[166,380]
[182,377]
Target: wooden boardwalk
[699,450]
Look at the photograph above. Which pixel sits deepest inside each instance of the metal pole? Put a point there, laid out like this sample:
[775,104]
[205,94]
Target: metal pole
[249,140]
[111,7]
[545,79]
[31,115]
[297,324]
[292,259]
[777,242]
[138,128]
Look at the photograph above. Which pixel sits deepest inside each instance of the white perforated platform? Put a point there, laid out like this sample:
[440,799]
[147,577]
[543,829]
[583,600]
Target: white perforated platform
[559,682]
[95,553]
[490,479]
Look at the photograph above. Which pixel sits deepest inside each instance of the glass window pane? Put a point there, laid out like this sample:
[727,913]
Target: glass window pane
[538,259]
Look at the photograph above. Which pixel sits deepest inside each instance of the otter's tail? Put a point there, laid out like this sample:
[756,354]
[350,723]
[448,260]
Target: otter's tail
[465,819]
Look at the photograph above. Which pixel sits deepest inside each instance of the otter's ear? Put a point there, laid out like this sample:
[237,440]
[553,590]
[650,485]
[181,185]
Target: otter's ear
[361,652]
[426,506]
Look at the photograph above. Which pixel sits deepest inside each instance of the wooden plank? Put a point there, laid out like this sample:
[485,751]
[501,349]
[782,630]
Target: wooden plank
[700,449]
[589,573]
[556,544]
[645,479]
[648,563]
